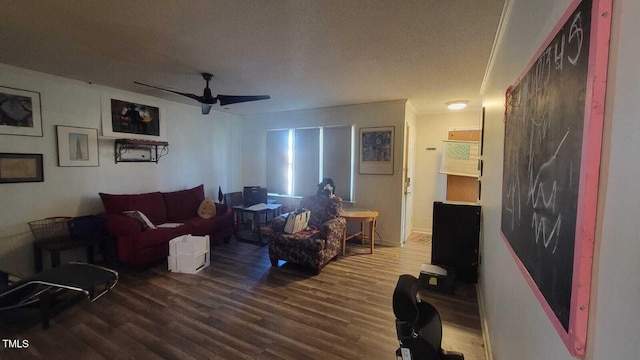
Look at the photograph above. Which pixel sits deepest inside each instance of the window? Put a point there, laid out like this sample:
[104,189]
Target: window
[298,160]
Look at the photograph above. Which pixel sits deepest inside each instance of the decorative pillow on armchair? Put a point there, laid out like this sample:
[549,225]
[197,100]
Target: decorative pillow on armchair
[140,218]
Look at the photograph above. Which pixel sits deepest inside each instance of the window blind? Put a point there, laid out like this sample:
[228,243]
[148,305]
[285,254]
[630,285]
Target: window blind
[306,161]
[315,153]
[278,161]
[336,158]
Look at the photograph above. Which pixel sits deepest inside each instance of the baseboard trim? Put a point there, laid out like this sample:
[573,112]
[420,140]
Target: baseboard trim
[422,231]
[488,354]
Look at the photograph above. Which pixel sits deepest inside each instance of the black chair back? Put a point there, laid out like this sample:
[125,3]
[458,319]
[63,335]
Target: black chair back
[418,323]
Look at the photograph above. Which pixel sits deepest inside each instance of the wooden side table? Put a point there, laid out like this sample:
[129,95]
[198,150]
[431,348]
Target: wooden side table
[361,216]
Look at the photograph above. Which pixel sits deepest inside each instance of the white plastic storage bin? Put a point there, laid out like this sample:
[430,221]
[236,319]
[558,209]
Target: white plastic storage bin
[189,254]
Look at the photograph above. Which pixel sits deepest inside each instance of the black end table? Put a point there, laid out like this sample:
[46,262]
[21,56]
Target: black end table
[55,246]
[256,211]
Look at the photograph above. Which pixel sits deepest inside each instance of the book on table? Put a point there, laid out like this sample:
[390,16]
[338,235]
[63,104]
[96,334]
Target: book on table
[258,207]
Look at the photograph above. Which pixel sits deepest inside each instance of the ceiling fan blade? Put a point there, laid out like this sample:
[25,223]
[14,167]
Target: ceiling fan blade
[233,99]
[206,108]
[192,96]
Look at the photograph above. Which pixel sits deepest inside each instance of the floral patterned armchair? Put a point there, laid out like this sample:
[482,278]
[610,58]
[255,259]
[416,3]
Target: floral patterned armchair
[313,248]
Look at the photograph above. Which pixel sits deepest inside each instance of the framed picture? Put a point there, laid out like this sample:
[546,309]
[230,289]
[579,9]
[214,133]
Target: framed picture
[15,168]
[77,146]
[132,117]
[20,112]
[376,150]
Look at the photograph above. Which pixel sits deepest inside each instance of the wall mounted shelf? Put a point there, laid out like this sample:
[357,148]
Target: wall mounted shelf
[135,150]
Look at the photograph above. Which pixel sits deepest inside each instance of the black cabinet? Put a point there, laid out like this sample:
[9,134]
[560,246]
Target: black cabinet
[455,239]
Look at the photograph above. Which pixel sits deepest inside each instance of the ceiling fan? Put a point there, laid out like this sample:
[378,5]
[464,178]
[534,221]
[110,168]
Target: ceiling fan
[207,100]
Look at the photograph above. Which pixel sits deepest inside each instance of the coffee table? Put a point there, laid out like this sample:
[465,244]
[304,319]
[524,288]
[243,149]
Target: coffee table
[361,216]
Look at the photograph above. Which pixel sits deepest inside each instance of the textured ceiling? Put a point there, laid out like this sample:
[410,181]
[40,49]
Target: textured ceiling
[305,54]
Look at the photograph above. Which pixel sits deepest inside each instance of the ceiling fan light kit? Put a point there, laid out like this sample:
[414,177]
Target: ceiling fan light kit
[207,100]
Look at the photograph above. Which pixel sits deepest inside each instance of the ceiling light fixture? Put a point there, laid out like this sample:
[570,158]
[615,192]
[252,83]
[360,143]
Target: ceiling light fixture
[457,104]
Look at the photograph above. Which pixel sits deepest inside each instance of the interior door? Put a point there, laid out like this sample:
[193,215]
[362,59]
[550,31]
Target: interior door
[408,176]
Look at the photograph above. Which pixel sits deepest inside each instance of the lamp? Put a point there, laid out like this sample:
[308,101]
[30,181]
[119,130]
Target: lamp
[457,104]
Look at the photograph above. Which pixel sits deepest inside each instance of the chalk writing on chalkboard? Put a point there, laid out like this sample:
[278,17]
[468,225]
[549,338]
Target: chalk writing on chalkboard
[542,161]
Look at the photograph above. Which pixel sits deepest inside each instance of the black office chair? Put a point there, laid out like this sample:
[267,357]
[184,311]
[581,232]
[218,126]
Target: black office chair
[418,324]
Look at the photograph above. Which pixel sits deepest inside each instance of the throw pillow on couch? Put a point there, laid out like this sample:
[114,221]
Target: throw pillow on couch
[141,218]
[207,208]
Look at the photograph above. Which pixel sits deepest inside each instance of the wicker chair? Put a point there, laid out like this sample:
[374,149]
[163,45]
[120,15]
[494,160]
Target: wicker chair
[315,248]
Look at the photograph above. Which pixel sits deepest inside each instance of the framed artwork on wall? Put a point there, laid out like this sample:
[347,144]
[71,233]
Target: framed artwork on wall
[132,117]
[16,168]
[20,112]
[77,146]
[376,150]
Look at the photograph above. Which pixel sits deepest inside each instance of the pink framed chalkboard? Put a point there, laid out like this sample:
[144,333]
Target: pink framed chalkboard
[553,136]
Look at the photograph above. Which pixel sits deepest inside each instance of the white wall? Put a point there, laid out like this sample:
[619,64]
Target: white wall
[377,192]
[518,327]
[430,185]
[614,318]
[200,152]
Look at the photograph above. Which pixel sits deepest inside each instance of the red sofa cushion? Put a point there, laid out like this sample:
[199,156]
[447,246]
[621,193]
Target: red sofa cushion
[183,204]
[150,204]
[202,226]
[161,236]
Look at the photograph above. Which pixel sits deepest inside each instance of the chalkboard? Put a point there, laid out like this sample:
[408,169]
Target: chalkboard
[548,126]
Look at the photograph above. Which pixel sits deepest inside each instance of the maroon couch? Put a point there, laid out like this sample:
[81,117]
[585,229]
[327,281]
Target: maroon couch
[140,247]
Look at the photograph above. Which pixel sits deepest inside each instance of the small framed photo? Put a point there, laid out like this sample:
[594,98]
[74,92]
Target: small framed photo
[20,112]
[16,168]
[132,117]
[77,146]
[376,150]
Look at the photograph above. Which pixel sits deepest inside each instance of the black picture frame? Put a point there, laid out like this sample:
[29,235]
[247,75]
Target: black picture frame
[77,146]
[377,150]
[27,120]
[132,116]
[18,168]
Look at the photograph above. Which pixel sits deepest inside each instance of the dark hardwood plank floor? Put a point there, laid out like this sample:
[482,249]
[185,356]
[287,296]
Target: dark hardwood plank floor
[242,308]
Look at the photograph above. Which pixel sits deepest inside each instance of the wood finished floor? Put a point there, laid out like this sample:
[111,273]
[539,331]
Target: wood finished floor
[241,308]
